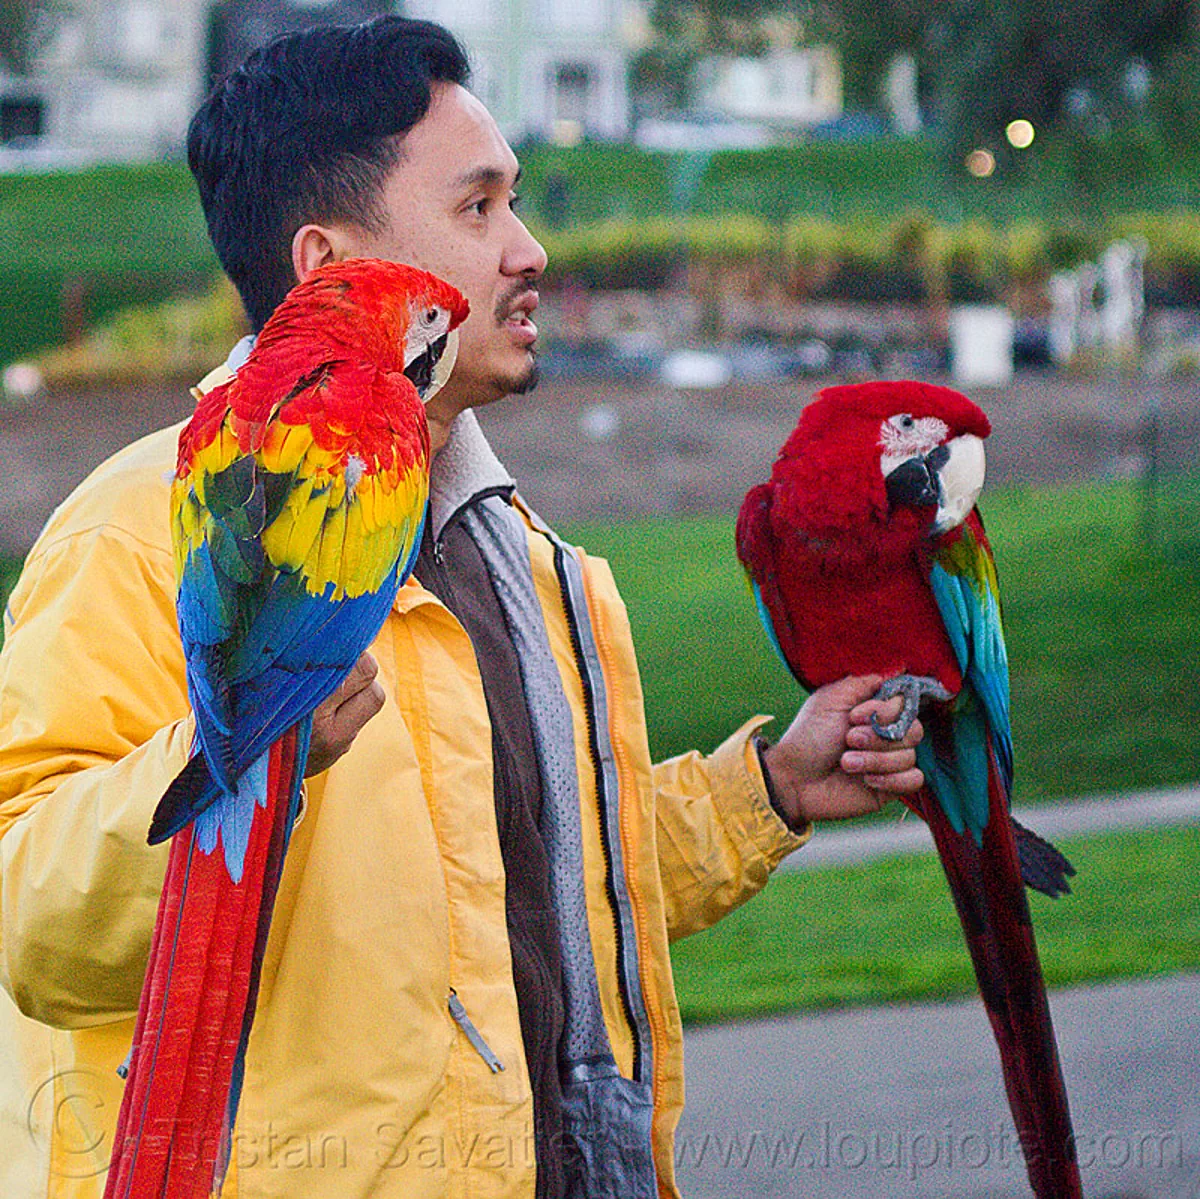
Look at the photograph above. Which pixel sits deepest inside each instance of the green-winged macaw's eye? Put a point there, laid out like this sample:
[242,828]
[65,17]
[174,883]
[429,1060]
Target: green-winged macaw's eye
[902,421]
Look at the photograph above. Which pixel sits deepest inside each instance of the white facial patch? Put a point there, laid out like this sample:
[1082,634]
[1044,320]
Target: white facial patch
[425,326]
[902,437]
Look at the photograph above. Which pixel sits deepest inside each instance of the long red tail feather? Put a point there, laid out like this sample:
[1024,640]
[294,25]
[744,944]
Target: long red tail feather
[173,1135]
[989,895]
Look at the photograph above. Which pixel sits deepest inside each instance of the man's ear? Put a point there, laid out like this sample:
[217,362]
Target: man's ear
[315,245]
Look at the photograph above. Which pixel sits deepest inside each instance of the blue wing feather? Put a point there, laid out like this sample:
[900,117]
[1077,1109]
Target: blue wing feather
[963,583]
[764,615]
[262,650]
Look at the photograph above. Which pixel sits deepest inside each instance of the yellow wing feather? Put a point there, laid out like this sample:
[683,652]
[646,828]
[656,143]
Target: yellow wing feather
[342,540]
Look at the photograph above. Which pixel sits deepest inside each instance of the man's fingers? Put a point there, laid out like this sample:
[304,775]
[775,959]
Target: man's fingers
[853,691]
[864,737]
[880,762]
[887,710]
[354,711]
[907,782]
[361,675]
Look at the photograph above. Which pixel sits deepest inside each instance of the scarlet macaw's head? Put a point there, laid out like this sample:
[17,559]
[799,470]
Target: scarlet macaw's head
[904,455]
[401,317]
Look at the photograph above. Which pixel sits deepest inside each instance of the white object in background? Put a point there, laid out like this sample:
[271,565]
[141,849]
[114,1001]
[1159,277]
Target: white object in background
[695,370]
[1064,316]
[599,422]
[981,344]
[22,381]
[1121,268]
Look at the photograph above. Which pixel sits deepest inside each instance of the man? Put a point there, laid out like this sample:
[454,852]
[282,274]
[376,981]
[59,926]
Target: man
[467,987]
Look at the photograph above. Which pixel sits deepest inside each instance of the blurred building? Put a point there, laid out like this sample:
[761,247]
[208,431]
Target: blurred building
[546,68]
[121,77]
[785,89]
[118,80]
[239,26]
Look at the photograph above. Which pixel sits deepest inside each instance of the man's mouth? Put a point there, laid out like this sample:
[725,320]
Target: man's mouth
[517,318]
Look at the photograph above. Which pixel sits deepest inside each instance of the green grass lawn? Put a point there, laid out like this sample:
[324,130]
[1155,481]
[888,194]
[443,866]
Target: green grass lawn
[1106,693]
[1102,637]
[887,931]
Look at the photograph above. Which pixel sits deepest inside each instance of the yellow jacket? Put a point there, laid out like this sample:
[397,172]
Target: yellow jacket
[358,1080]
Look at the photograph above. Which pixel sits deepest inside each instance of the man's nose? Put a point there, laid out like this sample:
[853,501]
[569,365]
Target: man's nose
[523,253]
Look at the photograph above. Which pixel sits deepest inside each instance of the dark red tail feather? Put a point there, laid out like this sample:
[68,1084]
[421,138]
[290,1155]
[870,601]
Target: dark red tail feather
[989,894]
[172,1138]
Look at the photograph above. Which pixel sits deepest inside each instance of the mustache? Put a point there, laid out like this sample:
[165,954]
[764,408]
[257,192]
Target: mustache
[506,303]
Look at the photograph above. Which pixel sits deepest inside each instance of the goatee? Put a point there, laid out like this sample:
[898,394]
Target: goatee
[528,381]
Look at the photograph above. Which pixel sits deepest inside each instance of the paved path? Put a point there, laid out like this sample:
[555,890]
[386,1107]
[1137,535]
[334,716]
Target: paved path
[907,1101]
[833,846]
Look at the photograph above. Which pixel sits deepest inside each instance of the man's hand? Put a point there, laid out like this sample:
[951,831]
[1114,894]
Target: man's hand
[340,718]
[830,764]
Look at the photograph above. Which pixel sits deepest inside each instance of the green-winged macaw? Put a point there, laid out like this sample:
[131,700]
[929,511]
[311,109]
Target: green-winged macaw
[867,556]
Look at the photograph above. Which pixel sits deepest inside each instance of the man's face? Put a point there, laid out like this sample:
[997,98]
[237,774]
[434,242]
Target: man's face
[449,203]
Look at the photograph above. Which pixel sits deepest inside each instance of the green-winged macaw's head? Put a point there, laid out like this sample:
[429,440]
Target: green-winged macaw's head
[898,454]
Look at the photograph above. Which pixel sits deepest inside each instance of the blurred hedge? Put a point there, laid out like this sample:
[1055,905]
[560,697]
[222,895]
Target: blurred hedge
[909,257]
[76,246]
[183,337]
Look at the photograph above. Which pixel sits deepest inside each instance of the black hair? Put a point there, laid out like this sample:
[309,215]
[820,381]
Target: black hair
[308,129]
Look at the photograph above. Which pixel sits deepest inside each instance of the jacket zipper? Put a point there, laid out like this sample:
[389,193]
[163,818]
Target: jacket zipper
[604,800]
[494,1064]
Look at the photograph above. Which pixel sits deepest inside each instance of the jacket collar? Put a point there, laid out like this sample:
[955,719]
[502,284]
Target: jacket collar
[464,468]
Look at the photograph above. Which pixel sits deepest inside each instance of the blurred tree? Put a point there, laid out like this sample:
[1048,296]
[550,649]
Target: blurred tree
[661,75]
[21,24]
[1083,62]
[1079,68]
[869,34]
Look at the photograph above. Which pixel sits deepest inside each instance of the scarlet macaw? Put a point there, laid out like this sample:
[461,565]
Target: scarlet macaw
[867,555]
[297,508]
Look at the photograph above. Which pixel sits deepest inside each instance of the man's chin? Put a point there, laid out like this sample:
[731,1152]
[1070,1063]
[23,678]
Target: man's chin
[518,382]
[528,380]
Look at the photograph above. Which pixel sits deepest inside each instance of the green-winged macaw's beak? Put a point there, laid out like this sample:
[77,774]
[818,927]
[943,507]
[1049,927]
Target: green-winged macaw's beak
[949,478]
[429,371]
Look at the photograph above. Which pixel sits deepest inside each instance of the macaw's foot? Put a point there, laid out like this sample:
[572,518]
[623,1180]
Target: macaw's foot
[914,688]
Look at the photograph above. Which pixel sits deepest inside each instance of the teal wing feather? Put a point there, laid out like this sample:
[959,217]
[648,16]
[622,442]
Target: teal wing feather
[963,579]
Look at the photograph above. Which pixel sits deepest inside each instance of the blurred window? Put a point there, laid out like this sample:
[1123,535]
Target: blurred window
[21,117]
[572,89]
[455,14]
[142,30]
[568,17]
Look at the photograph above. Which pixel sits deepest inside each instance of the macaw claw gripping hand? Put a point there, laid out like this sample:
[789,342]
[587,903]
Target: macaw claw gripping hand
[297,508]
[866,555]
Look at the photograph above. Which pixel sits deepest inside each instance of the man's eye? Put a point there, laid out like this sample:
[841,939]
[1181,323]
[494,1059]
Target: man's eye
[480,207]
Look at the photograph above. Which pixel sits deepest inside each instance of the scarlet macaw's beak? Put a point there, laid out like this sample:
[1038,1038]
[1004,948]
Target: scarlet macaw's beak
[429,371]
[948,478]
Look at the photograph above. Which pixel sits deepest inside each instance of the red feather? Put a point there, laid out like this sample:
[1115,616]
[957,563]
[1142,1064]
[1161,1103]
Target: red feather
[205,957]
